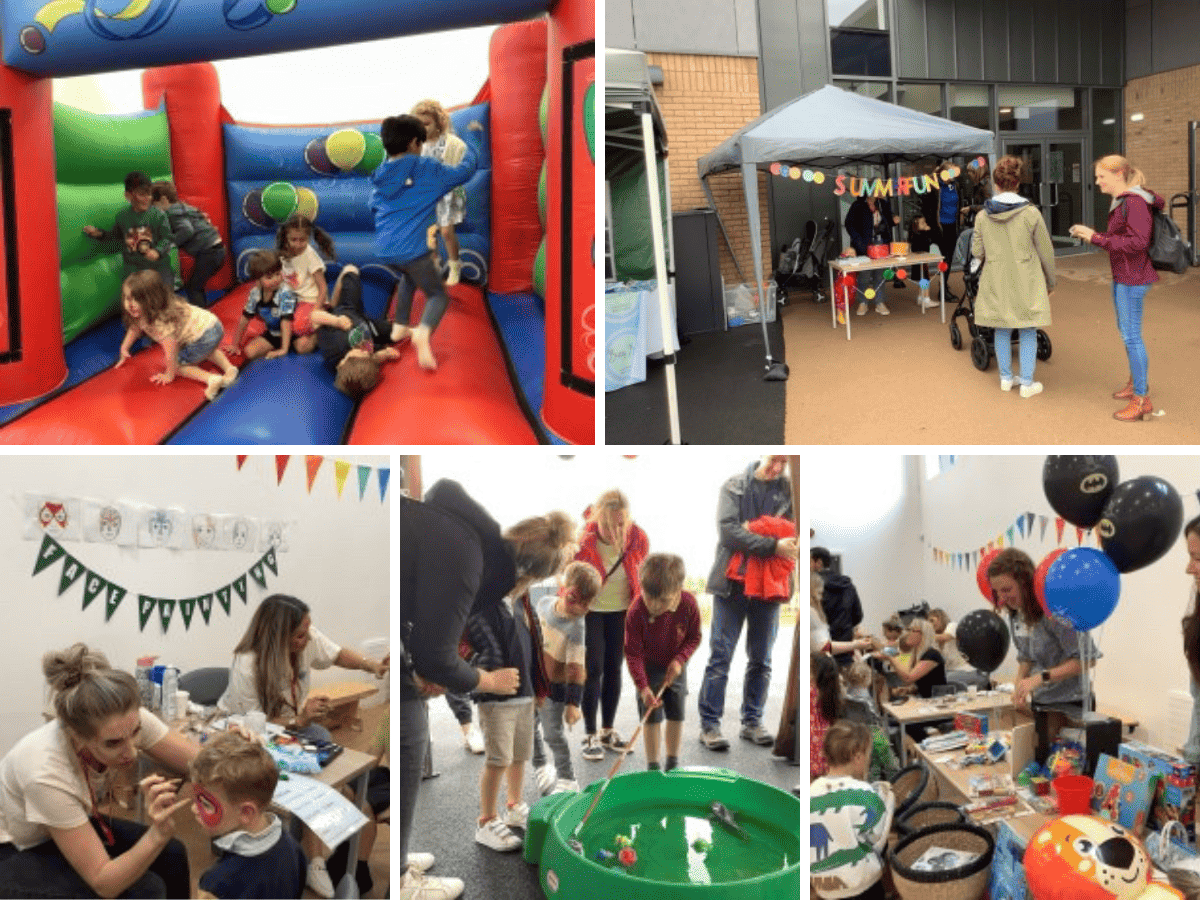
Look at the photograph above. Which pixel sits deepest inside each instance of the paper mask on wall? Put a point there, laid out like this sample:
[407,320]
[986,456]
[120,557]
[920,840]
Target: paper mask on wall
[274,534]
[204,531]
[109,522]
[55,516]
[162,527]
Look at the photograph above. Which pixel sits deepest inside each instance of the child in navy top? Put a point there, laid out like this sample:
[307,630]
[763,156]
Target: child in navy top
[234,782]
[406,189]
[662,631]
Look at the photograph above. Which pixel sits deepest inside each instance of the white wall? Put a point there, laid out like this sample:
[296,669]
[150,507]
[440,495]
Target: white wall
[338,563]
[981,497]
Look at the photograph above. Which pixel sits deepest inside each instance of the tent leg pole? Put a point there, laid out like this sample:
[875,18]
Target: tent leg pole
[725,234]
[776,370]
[660,271]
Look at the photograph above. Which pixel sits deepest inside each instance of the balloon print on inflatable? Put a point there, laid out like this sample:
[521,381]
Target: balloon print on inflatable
[279,200]
[1083,586]
[1039,577]
[318,160]
[1077,487]
[1141,522]
[306,203]
[373,154]
[1089,858]
[252,207]
[983,639]
[346,148]
[981,576]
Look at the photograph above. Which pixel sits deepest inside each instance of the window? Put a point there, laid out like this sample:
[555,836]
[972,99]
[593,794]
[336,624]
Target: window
[876,90]
[926,98]
[1036,109]
[936,465]
[858,37]
[971,104]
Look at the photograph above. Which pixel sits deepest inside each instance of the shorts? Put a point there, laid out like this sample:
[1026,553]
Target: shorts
[202,347]
[302,320]
[379,789]
[452,208]
[672,698]
[507,731]
[275,340]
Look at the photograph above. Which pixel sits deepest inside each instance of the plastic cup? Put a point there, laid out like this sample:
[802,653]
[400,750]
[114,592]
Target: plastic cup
[181,703]
[972,690]
[1074,794]
[256,722]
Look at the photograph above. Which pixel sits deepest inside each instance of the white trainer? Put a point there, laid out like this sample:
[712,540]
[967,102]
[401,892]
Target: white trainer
[422,862]
[544,777]
[1030,390]
[418,886]
[473,740]
[517,816]
[319,881]
[1006,384]
[498,836]
[882,309]
[565,784]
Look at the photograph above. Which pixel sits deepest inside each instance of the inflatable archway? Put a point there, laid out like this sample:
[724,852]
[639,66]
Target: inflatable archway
[51,289]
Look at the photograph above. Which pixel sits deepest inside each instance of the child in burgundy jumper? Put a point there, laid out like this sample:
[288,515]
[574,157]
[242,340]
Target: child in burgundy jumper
[662,631]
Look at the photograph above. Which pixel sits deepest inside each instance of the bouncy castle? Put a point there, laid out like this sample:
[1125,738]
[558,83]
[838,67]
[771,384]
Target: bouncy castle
[516,348]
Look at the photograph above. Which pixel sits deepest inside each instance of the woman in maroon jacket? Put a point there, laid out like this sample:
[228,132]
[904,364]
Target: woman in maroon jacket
[1130,228]
[615,546]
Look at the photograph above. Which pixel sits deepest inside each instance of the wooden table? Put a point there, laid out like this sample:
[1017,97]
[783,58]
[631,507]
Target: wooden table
[843,264]
[919,709]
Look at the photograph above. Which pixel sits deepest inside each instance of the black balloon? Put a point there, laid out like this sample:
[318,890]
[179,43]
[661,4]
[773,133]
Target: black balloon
[983,639]
[1141,522]
[1078,487]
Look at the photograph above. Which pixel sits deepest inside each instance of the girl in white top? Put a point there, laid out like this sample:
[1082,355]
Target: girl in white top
[54,841]
[303,267]
[445,146]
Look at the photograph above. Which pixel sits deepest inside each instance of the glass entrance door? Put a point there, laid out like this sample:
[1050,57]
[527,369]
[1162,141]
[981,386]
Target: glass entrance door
[1055,181]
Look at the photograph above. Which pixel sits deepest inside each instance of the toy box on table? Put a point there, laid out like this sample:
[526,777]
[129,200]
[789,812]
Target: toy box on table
[1123,793]
[1175,796]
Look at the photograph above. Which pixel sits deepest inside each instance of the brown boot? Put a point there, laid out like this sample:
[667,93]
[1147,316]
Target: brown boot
[1138,408]
[1124,393]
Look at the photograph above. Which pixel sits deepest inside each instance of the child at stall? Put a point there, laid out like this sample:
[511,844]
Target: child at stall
[920,240]
[565,653]
[303,267]
[142,232]
[188,334]
[194,234]
[442,144]
[662,631]
[849,819]
[860,681]
[405,190]
[502,636]
[234,782]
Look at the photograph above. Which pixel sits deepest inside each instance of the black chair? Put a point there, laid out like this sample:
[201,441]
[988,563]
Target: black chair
[205,686]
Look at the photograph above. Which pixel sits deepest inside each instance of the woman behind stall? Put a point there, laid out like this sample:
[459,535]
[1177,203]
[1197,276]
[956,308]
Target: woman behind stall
[1048,665]
[1191,639]
[54,841]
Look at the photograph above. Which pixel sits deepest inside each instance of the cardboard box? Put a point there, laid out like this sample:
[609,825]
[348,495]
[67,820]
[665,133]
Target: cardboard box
[1123,793]
[971,723]
[1175,796]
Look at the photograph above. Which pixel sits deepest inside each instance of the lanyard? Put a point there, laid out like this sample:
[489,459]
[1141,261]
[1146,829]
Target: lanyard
[105,830]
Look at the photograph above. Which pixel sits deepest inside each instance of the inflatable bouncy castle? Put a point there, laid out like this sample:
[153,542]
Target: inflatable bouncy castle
[516,348]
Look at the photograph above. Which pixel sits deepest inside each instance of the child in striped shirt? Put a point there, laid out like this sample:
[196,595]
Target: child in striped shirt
[564,651]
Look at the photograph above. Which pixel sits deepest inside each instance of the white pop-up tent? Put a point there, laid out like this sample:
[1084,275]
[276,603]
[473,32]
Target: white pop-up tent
[635,136]
[824,129]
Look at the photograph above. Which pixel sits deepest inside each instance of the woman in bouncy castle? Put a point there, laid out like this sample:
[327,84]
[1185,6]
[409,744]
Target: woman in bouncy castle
[1048,665]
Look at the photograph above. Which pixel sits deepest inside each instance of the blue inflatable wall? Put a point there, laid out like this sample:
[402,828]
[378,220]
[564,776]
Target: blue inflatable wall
[258,157]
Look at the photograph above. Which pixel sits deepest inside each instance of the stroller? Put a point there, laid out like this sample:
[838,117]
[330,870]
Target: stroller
[982,337]
[802,266]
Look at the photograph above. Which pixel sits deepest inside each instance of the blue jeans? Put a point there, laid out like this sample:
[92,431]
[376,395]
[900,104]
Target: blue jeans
[1128,300]
[762,624]
[1028,340]
[552,723]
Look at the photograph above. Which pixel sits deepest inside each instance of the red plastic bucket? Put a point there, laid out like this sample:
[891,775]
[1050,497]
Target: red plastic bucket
[1074,794]
[879,251]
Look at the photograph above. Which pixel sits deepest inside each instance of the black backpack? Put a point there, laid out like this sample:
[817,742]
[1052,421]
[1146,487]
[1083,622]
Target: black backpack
[1168,250]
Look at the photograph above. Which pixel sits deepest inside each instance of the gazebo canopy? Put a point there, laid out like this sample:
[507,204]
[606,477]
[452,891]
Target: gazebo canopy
[627,94]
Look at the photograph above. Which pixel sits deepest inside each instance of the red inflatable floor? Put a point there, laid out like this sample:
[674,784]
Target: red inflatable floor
[469,399]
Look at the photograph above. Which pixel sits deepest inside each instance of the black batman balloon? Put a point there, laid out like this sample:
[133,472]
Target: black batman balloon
[1141,522]
[1078,487]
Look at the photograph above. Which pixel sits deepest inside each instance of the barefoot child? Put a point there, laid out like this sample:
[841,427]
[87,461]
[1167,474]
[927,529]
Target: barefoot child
[562,617]
[662,631]
[234,782]
[405,191]
[188,334]
[442,144]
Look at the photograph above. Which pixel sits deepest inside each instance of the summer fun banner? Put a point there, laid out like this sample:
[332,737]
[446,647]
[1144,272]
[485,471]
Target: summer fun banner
[872,187]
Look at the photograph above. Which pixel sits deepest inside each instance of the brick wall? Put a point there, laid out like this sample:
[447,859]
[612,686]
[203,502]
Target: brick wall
[1158,144]
[704,100]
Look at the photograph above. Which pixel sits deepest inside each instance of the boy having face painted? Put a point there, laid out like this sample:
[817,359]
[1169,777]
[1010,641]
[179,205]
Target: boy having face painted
[234,782]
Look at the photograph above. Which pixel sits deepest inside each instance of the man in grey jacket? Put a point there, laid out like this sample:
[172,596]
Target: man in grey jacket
[763,489]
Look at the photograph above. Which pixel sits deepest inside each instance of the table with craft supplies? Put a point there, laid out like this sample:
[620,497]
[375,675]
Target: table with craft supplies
[921,709]
[855,264]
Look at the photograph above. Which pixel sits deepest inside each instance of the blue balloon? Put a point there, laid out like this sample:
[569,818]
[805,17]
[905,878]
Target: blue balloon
[1083,587]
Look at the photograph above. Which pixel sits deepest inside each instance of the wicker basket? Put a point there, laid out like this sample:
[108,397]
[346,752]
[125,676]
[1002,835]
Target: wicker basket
[968,882]
[912,785]
[924,815]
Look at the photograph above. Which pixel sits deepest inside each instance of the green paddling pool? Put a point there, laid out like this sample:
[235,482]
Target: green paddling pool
[682,852]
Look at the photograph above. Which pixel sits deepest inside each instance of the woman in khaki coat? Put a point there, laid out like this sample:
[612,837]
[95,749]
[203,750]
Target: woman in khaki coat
[1014,290]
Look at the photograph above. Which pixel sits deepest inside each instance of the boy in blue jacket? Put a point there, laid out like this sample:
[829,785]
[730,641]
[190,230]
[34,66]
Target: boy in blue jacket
[405,192]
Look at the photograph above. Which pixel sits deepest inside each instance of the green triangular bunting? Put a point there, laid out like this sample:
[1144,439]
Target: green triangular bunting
[186,608]
[223,597]
[146,606]
[49,552]
[114,594]
[166,609]
[239,585]
[204,601]
[71,571]
[256,572]
[92,586]
[269,561]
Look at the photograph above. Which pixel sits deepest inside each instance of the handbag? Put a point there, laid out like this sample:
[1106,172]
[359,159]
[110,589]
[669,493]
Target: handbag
[1166,854]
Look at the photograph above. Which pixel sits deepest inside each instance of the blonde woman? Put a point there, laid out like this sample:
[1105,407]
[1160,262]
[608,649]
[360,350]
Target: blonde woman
[920,664]
[1127,241]
[615,545]
[54,841]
